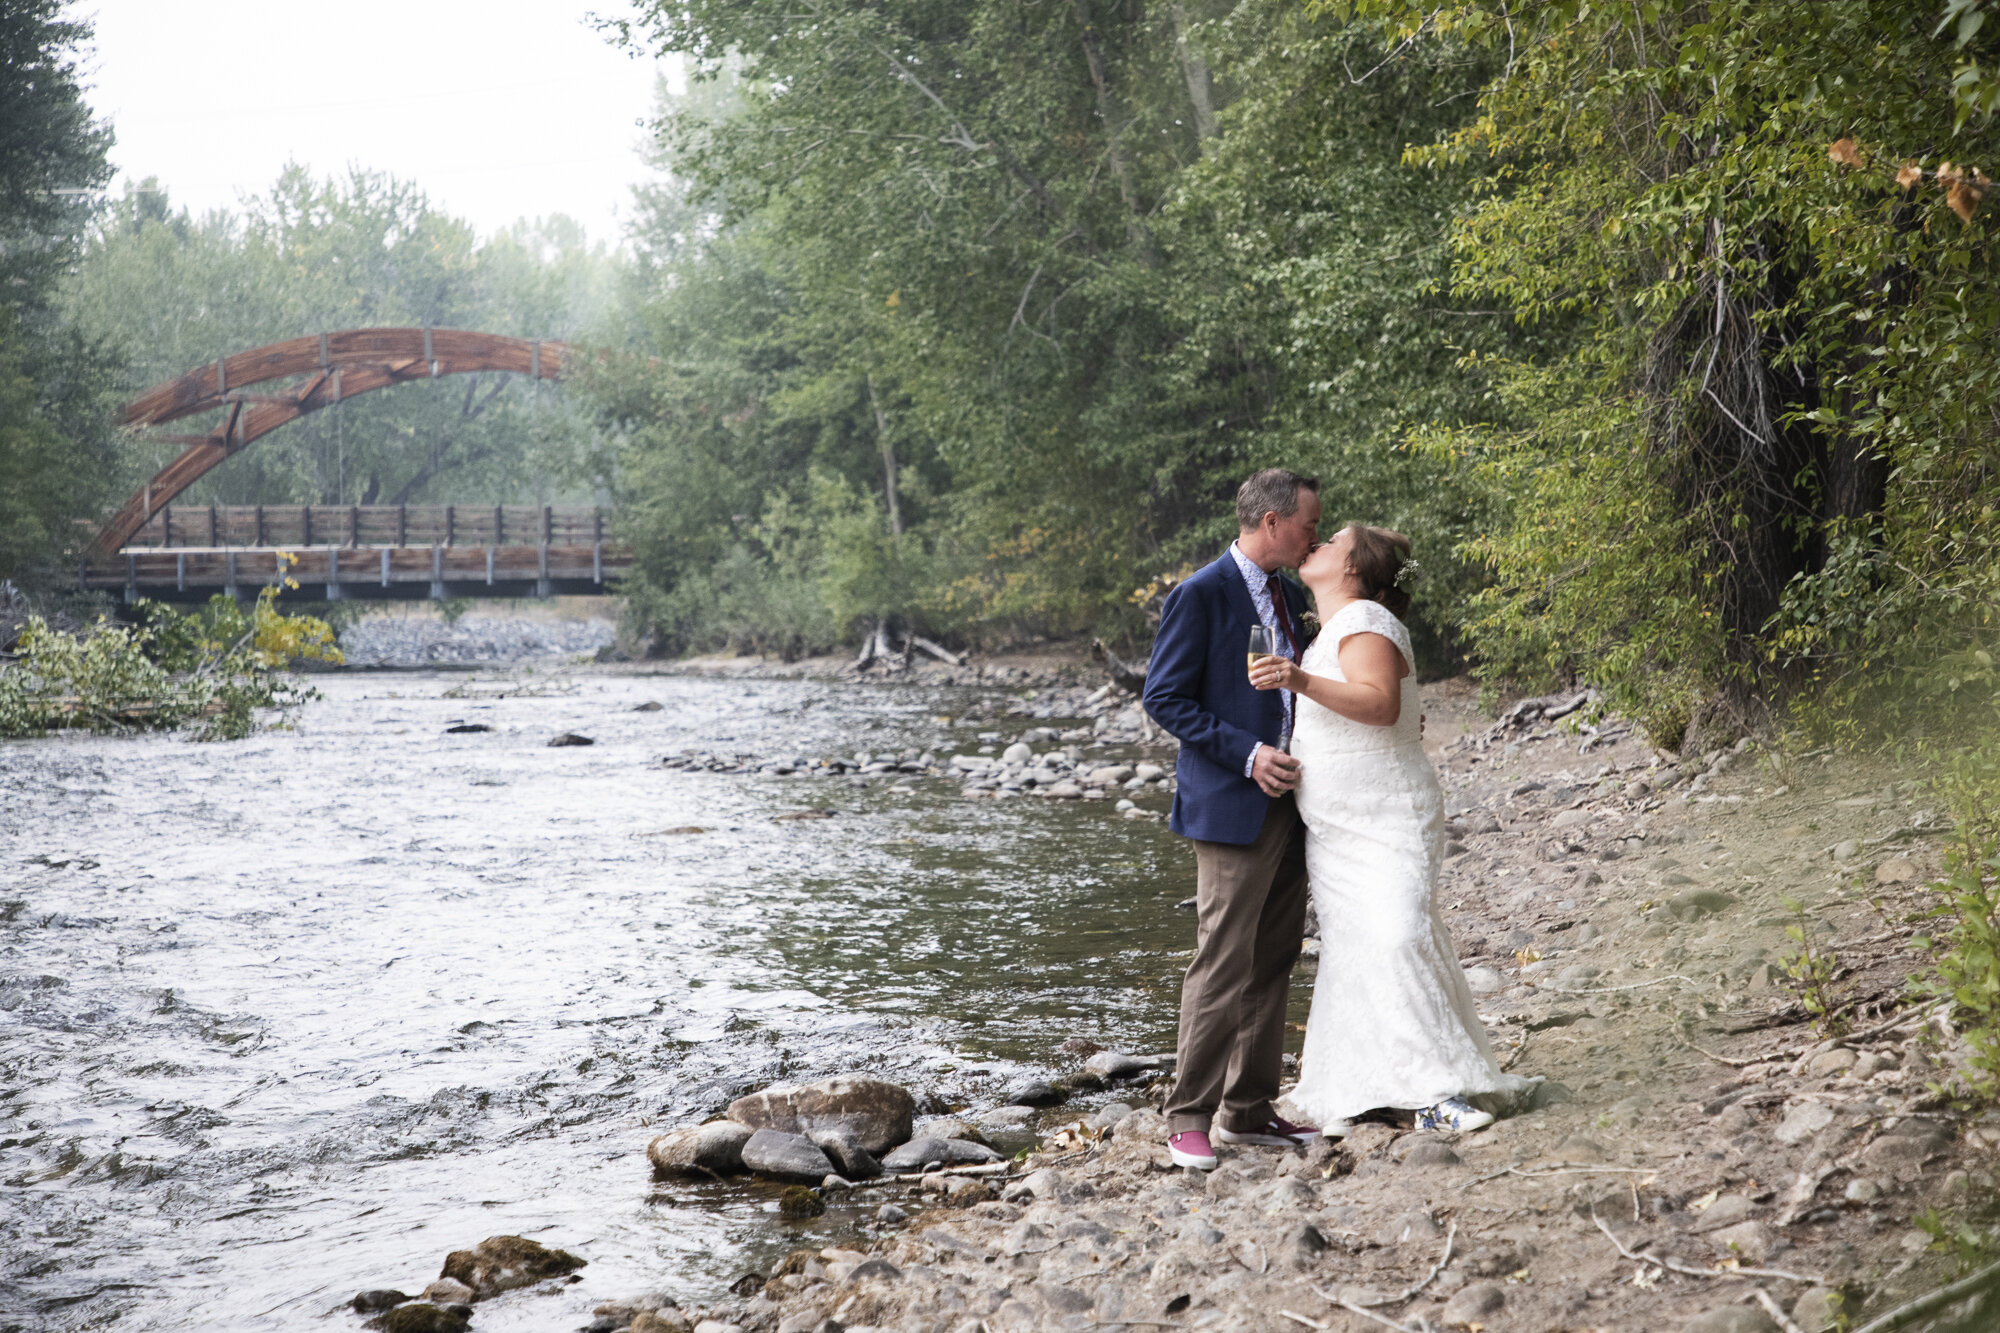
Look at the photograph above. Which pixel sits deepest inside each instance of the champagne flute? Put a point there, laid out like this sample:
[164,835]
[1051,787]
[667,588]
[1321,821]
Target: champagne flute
[1263,643]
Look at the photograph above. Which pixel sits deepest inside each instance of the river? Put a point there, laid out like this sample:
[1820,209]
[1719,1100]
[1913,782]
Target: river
[290,1017]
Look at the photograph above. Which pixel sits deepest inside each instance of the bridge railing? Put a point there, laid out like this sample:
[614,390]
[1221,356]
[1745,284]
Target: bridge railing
[220,526]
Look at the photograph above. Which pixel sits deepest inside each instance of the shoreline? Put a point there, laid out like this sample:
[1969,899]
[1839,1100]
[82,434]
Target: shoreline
[1619,914]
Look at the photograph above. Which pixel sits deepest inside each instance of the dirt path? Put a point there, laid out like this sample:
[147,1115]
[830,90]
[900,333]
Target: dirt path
[1704,1162]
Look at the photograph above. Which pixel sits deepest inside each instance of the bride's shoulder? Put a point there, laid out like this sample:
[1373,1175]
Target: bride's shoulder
[1363,616]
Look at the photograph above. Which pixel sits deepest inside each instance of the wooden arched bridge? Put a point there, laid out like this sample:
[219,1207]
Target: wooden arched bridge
[151,547]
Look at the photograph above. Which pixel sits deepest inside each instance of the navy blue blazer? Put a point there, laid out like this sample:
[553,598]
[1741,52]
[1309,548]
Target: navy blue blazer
[1198,688]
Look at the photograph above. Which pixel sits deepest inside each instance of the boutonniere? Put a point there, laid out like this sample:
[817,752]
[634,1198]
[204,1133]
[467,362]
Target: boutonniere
[1309,626]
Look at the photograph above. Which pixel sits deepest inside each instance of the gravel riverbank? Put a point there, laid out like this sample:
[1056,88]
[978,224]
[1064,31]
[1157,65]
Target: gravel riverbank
[1699,1156]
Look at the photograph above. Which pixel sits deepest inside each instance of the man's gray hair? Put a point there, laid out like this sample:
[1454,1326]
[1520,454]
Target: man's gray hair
[1275,490]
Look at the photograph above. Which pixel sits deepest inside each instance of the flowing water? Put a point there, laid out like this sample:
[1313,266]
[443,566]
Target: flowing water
[287,1018]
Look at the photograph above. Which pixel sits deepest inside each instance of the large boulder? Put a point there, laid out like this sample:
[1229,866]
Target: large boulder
[502,1263]
[715,1148]
[772,1152]
[877,1112]
[919,1153]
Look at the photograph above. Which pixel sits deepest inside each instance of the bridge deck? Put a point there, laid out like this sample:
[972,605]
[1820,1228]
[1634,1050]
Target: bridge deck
[335,552]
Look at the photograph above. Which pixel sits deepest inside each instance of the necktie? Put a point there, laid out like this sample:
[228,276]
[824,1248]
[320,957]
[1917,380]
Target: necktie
[1283,612]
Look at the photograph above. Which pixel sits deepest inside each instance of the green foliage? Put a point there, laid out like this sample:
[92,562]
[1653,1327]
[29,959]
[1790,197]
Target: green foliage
[1001,303]
[216,666]
[57,460]
[1810,969]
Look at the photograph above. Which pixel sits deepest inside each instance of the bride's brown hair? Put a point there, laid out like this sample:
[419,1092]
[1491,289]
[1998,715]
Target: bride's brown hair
[1377,557]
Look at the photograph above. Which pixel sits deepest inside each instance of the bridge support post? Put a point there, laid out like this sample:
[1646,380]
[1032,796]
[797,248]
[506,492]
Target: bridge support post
[542,588]
[180,571]
[385,566]
[229,587]
[333,593]
[437,567]
[131,578]
[489,566]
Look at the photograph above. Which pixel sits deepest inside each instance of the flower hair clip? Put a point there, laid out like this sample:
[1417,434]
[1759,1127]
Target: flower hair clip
[1409,575]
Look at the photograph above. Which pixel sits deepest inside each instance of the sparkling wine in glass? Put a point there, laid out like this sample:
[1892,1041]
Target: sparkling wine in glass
[1263,643]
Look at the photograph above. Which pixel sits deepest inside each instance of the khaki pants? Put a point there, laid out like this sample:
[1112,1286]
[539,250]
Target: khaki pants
[1251,906]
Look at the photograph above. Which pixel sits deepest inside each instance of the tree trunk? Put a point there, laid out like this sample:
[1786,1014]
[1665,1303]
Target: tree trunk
[1135,223]
[1195,70]
[888,462]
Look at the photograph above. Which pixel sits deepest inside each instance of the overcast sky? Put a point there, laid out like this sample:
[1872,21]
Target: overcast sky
[498,109]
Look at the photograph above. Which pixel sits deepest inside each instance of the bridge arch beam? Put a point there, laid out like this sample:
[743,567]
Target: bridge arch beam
[336,366]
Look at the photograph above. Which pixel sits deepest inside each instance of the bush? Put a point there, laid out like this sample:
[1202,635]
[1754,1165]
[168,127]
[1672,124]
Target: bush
[216,666]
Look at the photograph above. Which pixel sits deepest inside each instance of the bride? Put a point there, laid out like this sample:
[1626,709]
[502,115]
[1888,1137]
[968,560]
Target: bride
[1393,1024]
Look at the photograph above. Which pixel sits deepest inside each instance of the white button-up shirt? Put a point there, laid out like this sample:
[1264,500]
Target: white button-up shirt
[1267,612]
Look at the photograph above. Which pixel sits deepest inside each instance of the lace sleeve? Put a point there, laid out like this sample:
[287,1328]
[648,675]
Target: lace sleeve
[1366,617]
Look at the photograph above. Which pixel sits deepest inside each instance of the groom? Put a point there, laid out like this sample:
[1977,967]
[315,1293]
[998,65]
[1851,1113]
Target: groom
[1235,800]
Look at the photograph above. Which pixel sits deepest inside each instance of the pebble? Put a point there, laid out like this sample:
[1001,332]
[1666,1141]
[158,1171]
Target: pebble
[1732,1319]
[1896,870]
[890,1215]
[1818,1310]
[1484,980]
[1017,753]
[1802,1121]
[1861,1190]
[1473,1302]
[1829,1063]
[1846,849]
[395,640]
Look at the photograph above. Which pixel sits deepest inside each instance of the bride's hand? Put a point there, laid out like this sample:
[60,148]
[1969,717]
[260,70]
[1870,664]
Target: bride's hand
[1276,673]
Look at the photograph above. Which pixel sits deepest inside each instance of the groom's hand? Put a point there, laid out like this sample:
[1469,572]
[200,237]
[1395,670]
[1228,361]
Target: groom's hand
[1274,770]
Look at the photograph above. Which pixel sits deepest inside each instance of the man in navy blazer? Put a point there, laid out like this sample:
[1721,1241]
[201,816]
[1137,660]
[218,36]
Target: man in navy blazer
[1234,798]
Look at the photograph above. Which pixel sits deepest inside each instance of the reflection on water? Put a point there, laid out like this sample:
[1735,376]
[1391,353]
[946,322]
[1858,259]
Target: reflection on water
[294,1016]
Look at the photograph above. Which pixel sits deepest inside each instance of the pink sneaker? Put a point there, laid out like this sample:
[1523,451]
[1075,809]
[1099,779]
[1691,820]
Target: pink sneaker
[1279,1133]
[1191,1148]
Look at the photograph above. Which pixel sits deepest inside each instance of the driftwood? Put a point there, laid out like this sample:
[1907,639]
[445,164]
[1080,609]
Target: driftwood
[1904,1315]
[937,650]
[1124,674]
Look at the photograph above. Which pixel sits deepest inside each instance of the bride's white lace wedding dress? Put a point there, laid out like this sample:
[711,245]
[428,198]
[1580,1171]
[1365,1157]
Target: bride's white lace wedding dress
[1393,1021]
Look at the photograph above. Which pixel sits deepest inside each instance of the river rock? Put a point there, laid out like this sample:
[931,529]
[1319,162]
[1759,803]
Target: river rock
[668,1320]
[1731,1319]
[773,1152]
[1149,772]
[1431,1152]
[1066,791]
[919,1153]
[844,1148]
[1746,1240]
[1802,1121]
[382,1298]
[502,1263]
[878,1112]
[1896,870]
[417,1317]
[700,1149]
[1484,980]
[1819,1310]
[1108,1116]
[1117,1064]
[570,738]
[1701,903]
[1828,1063]
[798,1203]
[1017,753]
[1110,775]
[1034,1092]
[1480,821]
[449,1291]
[1472,1303]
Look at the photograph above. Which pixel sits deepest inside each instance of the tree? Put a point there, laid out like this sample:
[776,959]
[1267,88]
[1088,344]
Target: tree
[55,445]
